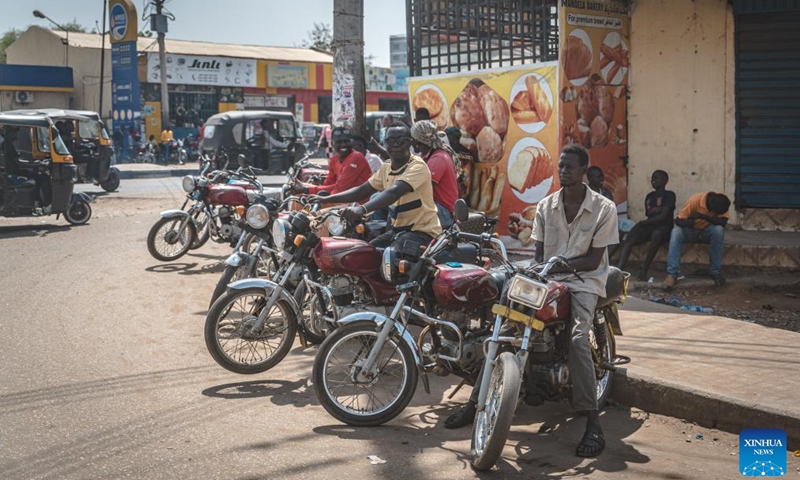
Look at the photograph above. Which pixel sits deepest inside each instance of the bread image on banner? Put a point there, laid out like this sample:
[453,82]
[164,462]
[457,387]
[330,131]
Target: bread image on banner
[532,166]
[532,102]
[431,98]
[577,55]
[482,116]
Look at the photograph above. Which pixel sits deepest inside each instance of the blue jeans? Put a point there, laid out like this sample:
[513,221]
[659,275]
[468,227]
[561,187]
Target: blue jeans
[445,217]
[713,234]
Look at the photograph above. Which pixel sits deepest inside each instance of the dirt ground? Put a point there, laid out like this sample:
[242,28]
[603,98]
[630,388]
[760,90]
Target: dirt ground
[766,297]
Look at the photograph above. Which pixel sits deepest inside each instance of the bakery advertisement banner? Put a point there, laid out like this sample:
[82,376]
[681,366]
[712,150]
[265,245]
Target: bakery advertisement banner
[594,61]
[503,124]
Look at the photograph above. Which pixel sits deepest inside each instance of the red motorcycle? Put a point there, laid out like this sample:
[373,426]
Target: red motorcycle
[529,353]
[216,212]
[366,371]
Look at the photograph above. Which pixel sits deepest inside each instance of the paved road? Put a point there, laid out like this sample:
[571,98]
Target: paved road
[105,375]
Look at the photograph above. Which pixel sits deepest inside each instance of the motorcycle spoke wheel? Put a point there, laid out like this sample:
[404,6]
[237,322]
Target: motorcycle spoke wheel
[201,222]
[492,424]
[229,335]
[166,243]
[313,320]
[340,358]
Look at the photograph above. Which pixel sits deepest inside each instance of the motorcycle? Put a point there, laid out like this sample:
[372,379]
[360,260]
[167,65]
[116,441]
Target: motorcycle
[264,316]
[366,371]
[528,352]
[216,206]
[146,153]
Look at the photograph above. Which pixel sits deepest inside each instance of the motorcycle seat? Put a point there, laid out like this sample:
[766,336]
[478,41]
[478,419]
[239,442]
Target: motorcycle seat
[615,286]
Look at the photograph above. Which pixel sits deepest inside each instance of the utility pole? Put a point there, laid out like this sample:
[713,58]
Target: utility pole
[161,28]
[349,89]
[102,56]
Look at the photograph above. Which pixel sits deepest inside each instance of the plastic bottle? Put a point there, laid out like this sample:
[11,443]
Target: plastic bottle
[697,308]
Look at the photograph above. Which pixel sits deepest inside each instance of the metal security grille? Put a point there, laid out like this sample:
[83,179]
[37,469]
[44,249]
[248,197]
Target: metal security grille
[768,105]
[457,35]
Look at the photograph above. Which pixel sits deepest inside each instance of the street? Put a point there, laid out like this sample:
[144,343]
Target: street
[106,375]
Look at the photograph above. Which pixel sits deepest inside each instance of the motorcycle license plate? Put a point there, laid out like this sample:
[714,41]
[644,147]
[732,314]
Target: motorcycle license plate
[516,316]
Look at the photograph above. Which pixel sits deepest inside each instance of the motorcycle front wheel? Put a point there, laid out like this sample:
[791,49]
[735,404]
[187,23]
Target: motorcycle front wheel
[166,243]
[363,404]
[492,424]
[202,227]
[232,274]
[230,338]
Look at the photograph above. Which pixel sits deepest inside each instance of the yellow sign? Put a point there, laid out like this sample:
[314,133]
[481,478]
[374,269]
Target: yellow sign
[594,67]
[122,22]
[503,124]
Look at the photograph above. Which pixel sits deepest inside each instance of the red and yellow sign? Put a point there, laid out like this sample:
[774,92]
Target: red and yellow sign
[594,67]
[504,125]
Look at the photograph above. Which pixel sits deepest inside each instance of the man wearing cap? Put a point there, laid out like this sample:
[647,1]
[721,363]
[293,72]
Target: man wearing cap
[347,168]
[404,184]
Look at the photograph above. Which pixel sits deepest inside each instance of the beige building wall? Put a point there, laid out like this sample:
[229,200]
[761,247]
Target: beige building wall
[40,100]
[681,113]
[39,46]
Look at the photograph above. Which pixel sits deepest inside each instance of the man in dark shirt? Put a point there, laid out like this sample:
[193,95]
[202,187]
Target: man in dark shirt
[10,153]
[659,207]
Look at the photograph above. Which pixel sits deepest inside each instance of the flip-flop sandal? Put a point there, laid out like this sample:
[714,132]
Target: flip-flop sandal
[592,444]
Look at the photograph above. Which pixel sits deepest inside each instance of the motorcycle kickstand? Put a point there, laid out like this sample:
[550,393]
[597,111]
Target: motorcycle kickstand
[458,387]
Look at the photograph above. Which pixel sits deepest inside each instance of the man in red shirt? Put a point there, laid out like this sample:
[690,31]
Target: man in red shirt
[441,163]
[347,168]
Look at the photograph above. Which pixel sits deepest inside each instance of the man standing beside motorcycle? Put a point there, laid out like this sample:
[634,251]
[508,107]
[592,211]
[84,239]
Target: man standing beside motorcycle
[578,224]
[405,184]
[346,169]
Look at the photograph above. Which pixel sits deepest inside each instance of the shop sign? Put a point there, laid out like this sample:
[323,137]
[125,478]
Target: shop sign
[287,76]
[196,70]
[386,79]
[266,101]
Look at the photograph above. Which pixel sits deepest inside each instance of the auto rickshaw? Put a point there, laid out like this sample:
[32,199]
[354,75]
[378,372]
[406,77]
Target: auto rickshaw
[269,140]
[87,139]
[37,174]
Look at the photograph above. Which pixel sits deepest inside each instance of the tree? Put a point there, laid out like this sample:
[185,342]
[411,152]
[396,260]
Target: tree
[72,26]
[321,37]
[7,39]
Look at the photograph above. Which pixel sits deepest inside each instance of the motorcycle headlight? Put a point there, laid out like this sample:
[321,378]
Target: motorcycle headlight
[257,216]
[188,183]
[527,292]
[336,226]
[386,264]
[279,229]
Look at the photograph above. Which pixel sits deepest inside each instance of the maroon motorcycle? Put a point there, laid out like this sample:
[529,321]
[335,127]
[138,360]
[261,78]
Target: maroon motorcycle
[219,201]
[366,371]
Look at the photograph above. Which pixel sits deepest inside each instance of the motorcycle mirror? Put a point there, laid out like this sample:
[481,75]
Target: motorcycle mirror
[462,212]
[241,160]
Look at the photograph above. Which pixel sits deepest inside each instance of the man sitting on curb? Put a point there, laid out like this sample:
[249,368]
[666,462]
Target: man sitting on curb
[701,220]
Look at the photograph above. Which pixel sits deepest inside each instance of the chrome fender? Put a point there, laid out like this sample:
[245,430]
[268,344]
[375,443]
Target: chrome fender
[235,259]
[173,213]
[403,333]
[268,288]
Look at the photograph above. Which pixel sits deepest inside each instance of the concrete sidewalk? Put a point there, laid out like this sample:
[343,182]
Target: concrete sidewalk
[151,170]
[718,372]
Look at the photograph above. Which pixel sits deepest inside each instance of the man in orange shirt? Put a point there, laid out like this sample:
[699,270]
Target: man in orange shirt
[701,220]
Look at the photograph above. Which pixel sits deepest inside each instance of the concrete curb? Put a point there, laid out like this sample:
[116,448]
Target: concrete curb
[709,411]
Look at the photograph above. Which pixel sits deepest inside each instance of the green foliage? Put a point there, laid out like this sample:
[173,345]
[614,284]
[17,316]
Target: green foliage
[321,37]
[72,26]
[7,39]
[145,33]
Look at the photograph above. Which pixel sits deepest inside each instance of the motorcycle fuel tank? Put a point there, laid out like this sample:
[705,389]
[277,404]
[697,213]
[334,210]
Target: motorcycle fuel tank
[464,286]
[227,195]
[336,255]
[556,305]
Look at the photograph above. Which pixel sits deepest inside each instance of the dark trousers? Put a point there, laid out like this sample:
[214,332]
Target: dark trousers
[657,235]
[395,237]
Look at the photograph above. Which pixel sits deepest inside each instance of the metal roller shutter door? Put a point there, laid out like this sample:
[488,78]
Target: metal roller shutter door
[768,103]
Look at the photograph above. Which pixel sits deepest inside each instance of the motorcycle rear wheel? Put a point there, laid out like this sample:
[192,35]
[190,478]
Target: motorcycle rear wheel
[491,426]
[338,360]
[171,244]
[606,352]
[239,351]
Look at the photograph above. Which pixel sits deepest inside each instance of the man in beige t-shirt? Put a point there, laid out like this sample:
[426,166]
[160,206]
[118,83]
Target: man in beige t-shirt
[405,186]
[579,224]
